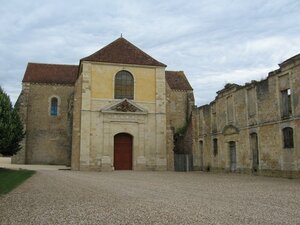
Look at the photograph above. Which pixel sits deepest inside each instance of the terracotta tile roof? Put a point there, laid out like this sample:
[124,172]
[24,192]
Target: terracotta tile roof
[122,51]
[177,80]
[50,73]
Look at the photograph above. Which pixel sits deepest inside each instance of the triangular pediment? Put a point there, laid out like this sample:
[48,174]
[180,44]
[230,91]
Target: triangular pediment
[124,106]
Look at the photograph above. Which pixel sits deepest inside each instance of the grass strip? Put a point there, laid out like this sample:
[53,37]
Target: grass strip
[10,179]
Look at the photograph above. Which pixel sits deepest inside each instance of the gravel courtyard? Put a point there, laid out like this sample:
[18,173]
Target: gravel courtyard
[70,197]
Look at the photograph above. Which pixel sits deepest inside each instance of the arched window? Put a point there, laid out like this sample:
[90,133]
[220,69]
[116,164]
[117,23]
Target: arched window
[54,106]
[288,140]
[124,85]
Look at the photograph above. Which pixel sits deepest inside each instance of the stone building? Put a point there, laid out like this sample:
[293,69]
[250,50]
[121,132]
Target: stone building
[116,110]
[44,105]
[120,109]
[253,128]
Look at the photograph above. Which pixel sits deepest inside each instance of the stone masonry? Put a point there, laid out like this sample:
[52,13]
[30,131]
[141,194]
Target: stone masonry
[255,127]
[252,128]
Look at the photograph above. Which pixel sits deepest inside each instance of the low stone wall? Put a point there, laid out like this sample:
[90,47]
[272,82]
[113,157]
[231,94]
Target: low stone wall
[5,160]
[267,173]
[280,173]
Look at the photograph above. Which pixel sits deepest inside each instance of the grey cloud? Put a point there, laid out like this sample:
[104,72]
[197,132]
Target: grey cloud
[214,42]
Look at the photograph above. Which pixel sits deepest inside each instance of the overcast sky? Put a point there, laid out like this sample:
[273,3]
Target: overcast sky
[214,42]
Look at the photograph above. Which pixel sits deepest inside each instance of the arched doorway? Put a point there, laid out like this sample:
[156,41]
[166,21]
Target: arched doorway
[123,151]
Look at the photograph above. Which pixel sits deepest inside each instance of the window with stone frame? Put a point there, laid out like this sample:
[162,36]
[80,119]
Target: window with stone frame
[215,146]
[124,85]
[286,103]
[54,106]
[288,137]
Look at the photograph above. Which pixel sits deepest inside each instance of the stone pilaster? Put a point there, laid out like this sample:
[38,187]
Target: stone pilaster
[85,117]
[161,148]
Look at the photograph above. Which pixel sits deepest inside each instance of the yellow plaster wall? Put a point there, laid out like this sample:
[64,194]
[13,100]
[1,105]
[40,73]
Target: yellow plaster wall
[102,86]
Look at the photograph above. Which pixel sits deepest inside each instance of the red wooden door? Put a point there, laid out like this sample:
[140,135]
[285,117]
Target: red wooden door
[123,151]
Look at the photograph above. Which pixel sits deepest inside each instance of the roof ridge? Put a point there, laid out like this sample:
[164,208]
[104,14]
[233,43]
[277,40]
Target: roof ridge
[54,64]
[177,80]
[50,73]
[122,51]
[175,71]
[140,50]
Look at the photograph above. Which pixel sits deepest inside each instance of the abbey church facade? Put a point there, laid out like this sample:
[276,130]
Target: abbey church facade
[120,109]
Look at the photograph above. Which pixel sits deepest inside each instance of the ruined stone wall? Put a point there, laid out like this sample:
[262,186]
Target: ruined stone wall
[252,118]
[47,137]
[179,120]
[202,142]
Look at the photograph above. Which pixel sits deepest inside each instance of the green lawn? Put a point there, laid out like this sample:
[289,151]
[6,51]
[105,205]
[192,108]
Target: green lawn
[9,179]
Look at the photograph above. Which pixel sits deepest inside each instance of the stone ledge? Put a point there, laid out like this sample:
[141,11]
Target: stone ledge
[267,173]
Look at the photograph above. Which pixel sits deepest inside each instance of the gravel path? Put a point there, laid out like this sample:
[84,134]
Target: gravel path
[70,197]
